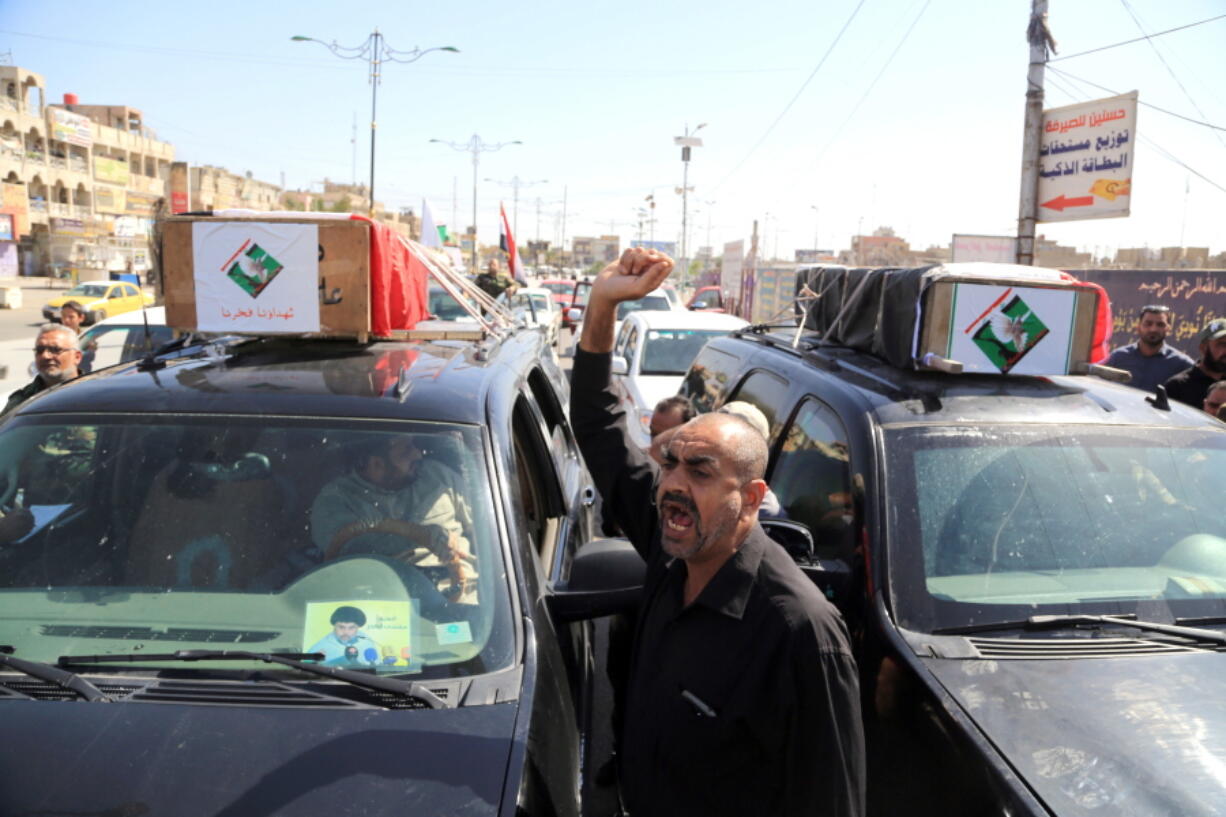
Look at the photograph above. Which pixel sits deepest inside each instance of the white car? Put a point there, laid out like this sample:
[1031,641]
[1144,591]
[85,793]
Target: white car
[653,351]
[122,338]
[536,307]
[658,300]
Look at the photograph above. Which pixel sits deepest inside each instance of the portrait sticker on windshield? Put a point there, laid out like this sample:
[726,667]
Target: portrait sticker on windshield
[362,633]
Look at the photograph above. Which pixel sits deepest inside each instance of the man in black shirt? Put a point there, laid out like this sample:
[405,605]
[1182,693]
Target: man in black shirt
[743,695]
[57,354]
[1191,385]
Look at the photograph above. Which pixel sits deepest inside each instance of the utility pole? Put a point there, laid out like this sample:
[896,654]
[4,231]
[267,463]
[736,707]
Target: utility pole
[686,142]
[515,183]
[475,146]
[1028,201]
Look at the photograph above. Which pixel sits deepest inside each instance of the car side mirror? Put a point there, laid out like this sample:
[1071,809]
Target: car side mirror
[606,577]
[832,576]
[574,314]
[619,365]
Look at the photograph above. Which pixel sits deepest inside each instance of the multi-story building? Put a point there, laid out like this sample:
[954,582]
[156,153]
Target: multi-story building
[215,188]
[81,182]
[352,198]
[588,251]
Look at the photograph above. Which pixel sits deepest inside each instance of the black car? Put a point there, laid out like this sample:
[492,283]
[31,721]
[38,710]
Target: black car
[1033,570]
[184,636]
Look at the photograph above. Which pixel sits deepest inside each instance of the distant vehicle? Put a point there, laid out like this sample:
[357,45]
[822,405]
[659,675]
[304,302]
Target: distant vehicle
[536,307]
[443,306]
[653,351]
[101,299]
[654,301]
[563,293]
[707,299]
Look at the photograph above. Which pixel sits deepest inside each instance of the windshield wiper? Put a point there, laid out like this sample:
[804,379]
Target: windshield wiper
[53,675]
[1058,621]
[411,689]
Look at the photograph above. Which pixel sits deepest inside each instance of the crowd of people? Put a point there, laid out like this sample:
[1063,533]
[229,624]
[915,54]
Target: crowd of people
[1152,362]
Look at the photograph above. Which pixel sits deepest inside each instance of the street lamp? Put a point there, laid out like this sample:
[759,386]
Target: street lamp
[515,183]
[475,146]
[686,142]
[376,51]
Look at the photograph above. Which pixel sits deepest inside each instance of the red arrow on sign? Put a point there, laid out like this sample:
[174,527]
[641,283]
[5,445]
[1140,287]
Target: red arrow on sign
[1060,202]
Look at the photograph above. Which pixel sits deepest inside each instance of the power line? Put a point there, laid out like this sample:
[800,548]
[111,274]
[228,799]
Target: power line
[1166,154]
[788,107]
[1138,39]
[1166,64]
[1139,101]
[906,35]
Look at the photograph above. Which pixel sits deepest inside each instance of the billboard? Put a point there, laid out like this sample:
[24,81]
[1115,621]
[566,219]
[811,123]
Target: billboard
[999,249]
[730,268]
[110,200]
[1085,159]
[816,257]
[72,128]
[114,171]
[1194,296]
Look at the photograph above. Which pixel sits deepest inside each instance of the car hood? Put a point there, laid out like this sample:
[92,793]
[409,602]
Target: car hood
[653,388]
[1133,735]
[149,758]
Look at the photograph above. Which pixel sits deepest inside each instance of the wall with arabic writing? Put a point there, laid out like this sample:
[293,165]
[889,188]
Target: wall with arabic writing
[1195,298]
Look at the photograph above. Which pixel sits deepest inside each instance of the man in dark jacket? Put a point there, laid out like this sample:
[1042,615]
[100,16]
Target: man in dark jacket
[57,354]
[493,282]
[743,696]
[1191,385]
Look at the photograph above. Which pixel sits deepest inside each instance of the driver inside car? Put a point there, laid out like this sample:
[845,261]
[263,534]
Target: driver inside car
[394,502]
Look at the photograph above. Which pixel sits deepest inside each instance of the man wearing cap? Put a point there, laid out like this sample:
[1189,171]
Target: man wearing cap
[1191,386]
[1150,360]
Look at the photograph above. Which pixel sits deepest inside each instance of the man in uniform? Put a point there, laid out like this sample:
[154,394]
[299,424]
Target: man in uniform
[57,354]
[1150,360]
[1191,385]
[493,282]
[743,696]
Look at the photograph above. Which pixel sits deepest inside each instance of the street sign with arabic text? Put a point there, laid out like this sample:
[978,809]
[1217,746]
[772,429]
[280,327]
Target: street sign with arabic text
[1085,159]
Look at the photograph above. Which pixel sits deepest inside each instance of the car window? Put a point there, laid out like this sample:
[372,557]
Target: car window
[540,488]
[812,479]
[443,306]
[767,391]
[1000,522]
[708,377]
[130,291]
[619,345]
[648,303]
[671,351]
[104,346]
[252,533]
[87,291]
[116,292]
[559,287]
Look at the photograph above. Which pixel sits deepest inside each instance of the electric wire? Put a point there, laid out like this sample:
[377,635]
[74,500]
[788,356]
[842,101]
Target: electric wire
[1167,65]
[1139,101]
[906,35]
[792,102]
[1138,39]
[1082,96]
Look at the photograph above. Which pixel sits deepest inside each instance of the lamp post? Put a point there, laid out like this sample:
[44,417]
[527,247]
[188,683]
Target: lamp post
[376,51]
[475,146]
[515,183]
[816,242]
[651,222]
[686,142]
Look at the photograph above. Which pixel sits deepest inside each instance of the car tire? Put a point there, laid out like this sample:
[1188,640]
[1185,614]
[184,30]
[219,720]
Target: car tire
[96,315]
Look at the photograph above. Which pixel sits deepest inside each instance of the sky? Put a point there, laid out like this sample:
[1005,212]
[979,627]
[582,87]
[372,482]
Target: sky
[821,118]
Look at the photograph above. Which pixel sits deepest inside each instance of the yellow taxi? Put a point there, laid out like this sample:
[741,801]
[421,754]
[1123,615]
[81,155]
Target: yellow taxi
[101,300]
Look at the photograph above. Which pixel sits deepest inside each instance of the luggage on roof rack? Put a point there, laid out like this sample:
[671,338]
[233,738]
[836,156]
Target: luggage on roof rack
[983,318]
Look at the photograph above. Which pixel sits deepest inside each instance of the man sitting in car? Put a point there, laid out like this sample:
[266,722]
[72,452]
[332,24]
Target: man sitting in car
[398,504]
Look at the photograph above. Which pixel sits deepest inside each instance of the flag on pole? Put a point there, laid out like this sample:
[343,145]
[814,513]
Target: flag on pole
[431,236]
[507,242]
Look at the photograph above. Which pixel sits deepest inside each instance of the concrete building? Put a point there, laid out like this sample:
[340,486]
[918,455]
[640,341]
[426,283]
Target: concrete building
[588,251]
[881,249]
[337,197]
[1048,253]
[215,188]
[81,182]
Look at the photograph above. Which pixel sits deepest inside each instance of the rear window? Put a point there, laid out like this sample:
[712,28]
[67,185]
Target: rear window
[649,303]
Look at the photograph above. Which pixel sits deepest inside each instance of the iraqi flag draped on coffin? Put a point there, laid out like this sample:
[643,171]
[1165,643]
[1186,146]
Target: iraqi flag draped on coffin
[397,281]
[507,242]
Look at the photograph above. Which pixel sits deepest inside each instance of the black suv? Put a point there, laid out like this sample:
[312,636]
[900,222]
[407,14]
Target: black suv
[1033,570]
[183,567]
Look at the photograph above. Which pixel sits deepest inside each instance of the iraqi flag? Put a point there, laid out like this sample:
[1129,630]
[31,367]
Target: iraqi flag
[507,242]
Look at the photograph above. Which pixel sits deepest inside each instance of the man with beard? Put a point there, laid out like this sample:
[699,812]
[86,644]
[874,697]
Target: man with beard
[1150,360]
[1190,386]
[57,354]
[743,696]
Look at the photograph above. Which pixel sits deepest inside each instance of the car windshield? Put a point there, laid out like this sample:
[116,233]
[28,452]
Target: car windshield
[444,307]
[88,291]
[559,287]
[648,303]
[993,524]
[124,533]
[671,351]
